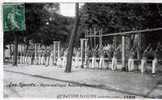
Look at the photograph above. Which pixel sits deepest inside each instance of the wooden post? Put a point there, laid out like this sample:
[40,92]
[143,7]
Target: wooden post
[10,51]
[115,41]
[95,33]
[58,50]
[51,61]
[18,53]
[82,51]
[54,52]
[16,50]
[86,49]
[100,32]
[123,52]
[140,46]
[91,44]
[35,56]
[22,54]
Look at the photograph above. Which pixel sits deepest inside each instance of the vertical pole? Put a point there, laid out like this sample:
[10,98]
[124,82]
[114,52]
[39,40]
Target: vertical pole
[140,46]
[11,59]
[35,56]
[4,53]
[115,41]
[21,54]
[82,50]
[91,44]
[39,62]
[123,52]
[95,33]
[16,50]
[10,51]
[54,52]
[86,49]
[100,32]
[58,49]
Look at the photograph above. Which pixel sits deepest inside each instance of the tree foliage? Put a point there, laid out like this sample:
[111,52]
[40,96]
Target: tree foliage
[120,17]
[44,24]
[51,25]
[116,17]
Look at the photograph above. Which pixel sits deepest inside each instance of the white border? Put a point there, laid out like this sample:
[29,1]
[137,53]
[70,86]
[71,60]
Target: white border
[97,1]
[45,1]
[1,53]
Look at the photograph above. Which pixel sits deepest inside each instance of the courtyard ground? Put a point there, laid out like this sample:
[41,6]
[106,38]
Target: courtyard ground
[52,82]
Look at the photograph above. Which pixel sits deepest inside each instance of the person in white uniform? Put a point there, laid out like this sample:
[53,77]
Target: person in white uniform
[51,58]
[144,58]
[143,63]
[131,60]
[93,59]
[114,62]
[154,62]
[102,61]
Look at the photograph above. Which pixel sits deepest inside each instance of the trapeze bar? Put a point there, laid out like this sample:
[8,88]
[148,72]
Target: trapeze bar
[126,33]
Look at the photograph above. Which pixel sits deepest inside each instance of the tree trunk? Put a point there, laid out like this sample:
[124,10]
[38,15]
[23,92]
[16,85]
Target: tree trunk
[72,37]
[139,47]
[16,50]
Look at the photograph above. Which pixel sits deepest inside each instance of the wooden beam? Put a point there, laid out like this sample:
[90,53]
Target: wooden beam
[127,33]
[82,51]
[123,52]
[54,52]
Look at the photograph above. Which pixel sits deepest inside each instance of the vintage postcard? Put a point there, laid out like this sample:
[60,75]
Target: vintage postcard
[82,50]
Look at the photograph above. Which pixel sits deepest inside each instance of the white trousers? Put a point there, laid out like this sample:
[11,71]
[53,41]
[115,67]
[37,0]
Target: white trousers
[143,64]
[154,65]
[21,59]
[86,62]
[29,59]
[47,61]
[76,62]
[51,60]
[25,59]
[35,60]
[102,62]
[93,62]
[39,59]
[59,61]
[114,63]
[130,64]
[42,60]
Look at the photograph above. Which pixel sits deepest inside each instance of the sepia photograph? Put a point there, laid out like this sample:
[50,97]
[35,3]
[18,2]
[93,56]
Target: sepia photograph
[82,50]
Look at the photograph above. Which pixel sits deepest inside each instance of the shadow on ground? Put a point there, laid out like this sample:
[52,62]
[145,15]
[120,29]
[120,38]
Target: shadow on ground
[100,86]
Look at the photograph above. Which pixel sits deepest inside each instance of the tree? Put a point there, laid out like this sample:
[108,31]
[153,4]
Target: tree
[71,42]
[14,18]
[49,24]
[37,15]
[120,17]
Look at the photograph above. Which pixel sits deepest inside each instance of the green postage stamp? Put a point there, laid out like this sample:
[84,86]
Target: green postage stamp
[13,17]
